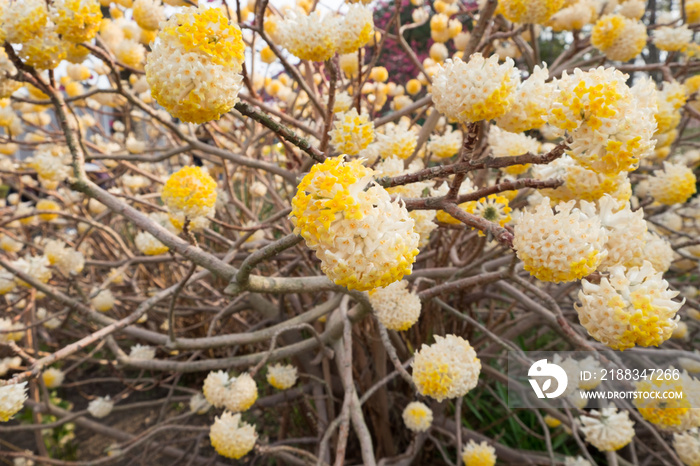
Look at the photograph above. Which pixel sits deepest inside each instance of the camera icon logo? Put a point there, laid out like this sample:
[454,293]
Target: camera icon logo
[543,372]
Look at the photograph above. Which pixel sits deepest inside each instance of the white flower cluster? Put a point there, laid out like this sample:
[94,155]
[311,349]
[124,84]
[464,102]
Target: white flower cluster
[101,407]
[363,239]
[629,307]
[687,445]
[562,246]
[417,416]
[282,376]
[611,125]
[12,398]
[67,260]
[395,306]
[533,100]
[231,437]
[235,393]
[626,231]
[607,429]
[480,89]
[142,352]
[448,368]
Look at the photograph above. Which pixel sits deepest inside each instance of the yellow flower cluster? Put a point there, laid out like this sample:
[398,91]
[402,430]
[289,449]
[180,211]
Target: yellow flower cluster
[529,11]
[417,416]
[194,69]
[611,124]
[281,376]
[562,246]
[77,20]
[231,437]
[607,429]
[352,132]
[672,185]
[190,192]
[480,89]
[629,307]
[478,454]
[208,32]
[363,239]
[448,368]
[669,413]
[12,398]
[618,37]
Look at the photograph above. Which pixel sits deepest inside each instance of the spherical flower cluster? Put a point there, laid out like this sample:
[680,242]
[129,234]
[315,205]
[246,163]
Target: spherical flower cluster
[282,376]
[8,244]
[531,104]
[397,140]
[633,9]
[194,69]
[52,377]
[529,11]
[580,183]
[669,100]
[478,454]
[43,51]
[47,205]
[672,38]
[100,407]
[148,14]
[692,11]
[235,393]
[619,38]
[630,307]
[6,325]
[687,444]
[355,30]
[445,145]
[506,144]
[309,37]
[142,352]
[672,185]
[352,132]
[104,301]
[232,438]
[573,17]
[626,231]
[442,28]
[658,251]
[12,398]
[76,20]
[23,20]
[36,267]
[611,125]
[363,239]
[9,363]
[448,368]
[67,260]
[480,89]
[417,416]
[607,429]
[669,413]
[562,246]
[190,192]
[149,245]
[395,306]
